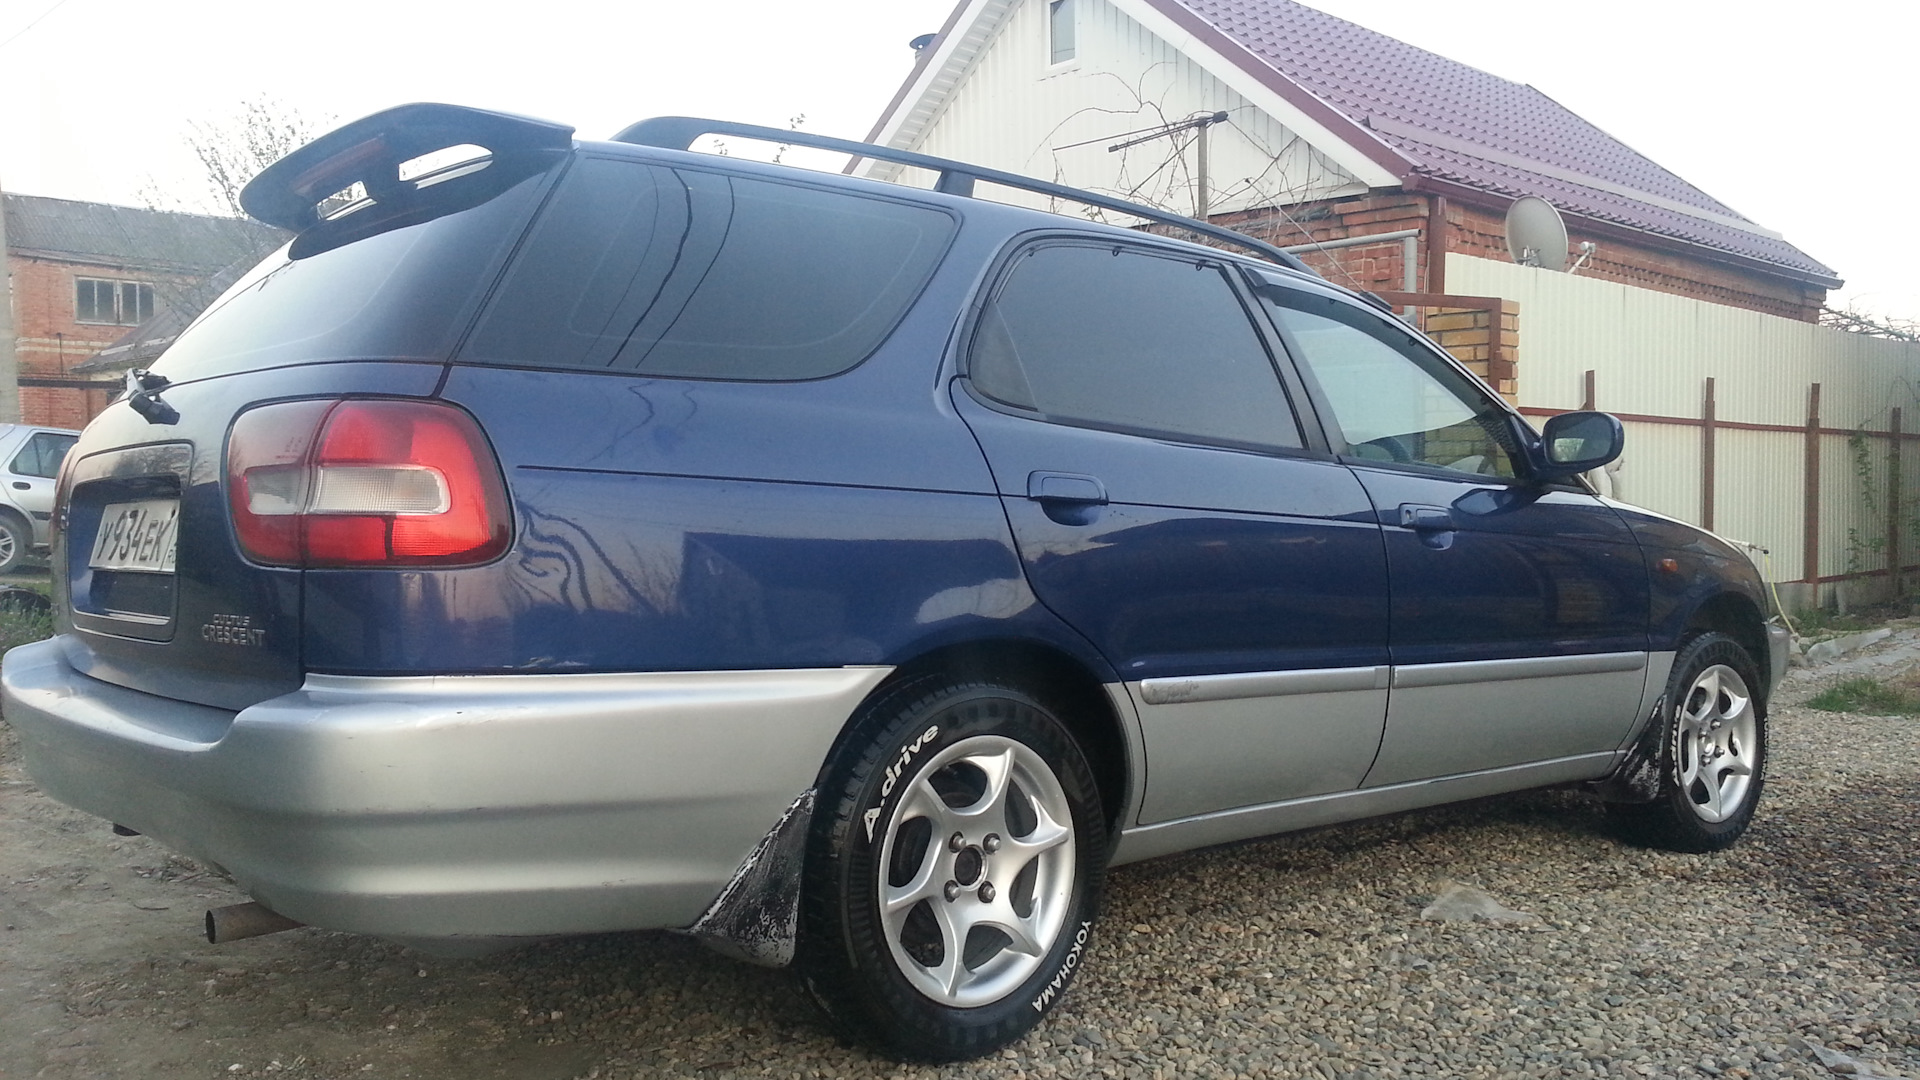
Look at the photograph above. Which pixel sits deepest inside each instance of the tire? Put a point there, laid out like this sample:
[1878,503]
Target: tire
[15,539]
[953,872]
[1713,751]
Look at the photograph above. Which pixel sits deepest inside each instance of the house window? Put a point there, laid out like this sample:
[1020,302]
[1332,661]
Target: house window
[1060,30]
[118,303]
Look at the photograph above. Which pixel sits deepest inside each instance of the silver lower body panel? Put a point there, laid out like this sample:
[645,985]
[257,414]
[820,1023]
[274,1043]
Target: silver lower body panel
[1163,838]
[441,807]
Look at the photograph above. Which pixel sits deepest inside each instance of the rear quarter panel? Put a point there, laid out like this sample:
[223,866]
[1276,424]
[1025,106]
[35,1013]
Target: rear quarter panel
[690,525]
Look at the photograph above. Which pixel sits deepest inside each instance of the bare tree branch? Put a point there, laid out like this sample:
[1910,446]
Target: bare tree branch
[232,150]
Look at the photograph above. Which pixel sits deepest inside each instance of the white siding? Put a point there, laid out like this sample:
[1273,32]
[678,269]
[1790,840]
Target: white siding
[1013,111]
[1651,353]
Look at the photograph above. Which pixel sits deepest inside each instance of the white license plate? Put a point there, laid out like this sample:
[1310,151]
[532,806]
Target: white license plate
[136,536]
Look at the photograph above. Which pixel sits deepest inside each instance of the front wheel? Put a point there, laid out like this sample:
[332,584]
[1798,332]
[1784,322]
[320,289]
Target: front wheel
[1713,751]
[953,872]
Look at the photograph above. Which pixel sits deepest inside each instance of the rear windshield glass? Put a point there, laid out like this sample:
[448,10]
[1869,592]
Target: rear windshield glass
[403,294]
[680,272]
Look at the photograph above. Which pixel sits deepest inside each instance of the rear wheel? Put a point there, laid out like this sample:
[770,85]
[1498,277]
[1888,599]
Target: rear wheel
[953,871]
[1713,751]
[15,539]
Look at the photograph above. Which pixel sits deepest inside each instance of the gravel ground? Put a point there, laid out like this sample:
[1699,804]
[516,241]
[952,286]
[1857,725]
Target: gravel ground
[1304,956]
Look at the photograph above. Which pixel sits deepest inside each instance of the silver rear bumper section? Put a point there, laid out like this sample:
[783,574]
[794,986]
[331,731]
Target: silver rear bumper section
[439,807]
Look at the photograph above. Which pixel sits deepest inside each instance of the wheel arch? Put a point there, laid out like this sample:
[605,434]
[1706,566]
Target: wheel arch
[19,518]
[1734,615]
[1077,693]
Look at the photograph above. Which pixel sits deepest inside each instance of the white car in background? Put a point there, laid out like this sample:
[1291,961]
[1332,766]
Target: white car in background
[31,458]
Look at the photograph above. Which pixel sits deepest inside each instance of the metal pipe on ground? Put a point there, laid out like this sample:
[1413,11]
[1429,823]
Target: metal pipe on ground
[236,921]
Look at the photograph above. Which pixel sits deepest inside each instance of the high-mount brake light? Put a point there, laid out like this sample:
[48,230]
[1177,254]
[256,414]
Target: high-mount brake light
[364,483]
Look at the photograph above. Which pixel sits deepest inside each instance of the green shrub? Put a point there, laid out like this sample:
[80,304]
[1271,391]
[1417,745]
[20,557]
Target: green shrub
[19,627]
[1866,695]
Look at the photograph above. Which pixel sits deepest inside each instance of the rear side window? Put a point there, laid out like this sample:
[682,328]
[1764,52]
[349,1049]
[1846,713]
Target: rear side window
[679,272]
[42,454]
[1099,336]
[406,293]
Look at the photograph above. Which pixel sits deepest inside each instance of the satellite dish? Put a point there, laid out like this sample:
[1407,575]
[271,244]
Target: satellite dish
[1535,234]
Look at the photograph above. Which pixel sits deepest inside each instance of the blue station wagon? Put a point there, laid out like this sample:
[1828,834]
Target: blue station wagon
[593,536]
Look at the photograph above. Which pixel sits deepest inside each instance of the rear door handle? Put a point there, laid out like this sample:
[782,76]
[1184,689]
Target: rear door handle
[1067,498]
[1058,487]
[22,485]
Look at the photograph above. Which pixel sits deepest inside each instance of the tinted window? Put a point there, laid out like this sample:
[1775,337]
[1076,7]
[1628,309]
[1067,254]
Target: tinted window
[406,293]
[1393,400]
[686,273]
[42,454]
[1114,338]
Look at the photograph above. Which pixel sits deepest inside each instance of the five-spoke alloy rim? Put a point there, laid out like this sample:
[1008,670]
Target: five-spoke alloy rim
[1716,746]
[976,871]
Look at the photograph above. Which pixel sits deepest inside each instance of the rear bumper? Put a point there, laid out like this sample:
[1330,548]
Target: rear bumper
[449,806]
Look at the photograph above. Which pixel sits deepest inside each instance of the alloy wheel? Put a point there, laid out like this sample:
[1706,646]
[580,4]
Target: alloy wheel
[1716,745]
[977,871]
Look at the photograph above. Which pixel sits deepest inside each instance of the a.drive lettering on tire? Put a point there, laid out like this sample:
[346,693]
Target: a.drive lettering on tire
[953,870]
[894,772]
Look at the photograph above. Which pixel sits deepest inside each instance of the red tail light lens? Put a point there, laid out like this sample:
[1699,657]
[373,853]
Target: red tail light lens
[364,483]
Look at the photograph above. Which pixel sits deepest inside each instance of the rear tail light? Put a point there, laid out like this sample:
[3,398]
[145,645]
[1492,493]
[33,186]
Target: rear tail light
[364,483]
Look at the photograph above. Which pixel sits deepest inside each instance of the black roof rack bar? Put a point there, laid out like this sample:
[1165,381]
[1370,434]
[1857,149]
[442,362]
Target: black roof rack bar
[955,177]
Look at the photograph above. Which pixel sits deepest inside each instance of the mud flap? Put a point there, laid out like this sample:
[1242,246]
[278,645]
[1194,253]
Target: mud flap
[1637,778]
[756,918]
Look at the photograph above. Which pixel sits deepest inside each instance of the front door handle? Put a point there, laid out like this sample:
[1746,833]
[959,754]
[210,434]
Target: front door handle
[1433,524]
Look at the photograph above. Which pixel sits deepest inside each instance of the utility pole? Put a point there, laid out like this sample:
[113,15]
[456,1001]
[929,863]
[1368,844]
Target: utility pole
[1197,122]
[9,358]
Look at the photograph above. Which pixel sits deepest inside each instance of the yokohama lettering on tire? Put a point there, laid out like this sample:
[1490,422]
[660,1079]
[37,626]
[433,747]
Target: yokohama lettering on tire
[953,870]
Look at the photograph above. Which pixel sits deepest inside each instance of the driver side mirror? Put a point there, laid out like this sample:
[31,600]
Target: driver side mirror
[1576,442]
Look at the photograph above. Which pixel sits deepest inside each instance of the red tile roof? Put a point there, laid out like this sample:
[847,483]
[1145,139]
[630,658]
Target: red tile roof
[1458,124]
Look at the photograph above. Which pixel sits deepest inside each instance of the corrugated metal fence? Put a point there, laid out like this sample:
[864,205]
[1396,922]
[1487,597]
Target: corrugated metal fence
[1764,429]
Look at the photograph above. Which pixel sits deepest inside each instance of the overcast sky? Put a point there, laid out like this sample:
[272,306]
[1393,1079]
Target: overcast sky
[1800,117]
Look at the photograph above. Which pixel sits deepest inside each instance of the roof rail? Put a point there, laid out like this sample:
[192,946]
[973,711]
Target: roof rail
[955,177]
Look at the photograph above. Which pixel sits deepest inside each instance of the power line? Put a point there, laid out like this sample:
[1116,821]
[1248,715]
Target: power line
[20,33]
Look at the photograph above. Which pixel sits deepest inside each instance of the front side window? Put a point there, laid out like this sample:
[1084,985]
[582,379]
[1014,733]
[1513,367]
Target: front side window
[42,454]
[117,303]
[1103,336]
[685,273]
[1060,31]
[1393,400]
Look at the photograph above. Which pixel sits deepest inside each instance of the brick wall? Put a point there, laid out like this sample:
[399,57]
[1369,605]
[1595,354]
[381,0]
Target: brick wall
[1482,233]
[1467,334]
[1369,267]
[50,339]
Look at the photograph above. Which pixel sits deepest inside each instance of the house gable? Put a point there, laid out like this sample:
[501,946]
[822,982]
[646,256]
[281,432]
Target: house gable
[987,93]
[1308,91]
